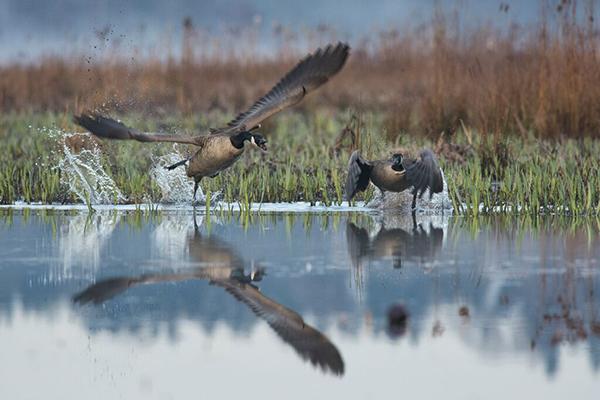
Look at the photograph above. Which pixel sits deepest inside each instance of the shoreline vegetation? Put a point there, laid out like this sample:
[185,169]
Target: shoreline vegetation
[307,161]
[513,114]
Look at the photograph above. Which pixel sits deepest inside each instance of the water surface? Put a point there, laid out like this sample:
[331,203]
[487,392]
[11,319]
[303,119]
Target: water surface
[170,305]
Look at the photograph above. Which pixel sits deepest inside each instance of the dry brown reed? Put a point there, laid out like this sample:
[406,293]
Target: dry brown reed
[542,79]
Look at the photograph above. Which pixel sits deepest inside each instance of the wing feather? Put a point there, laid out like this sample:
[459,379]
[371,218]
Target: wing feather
[308,342]
[358,244]
[424,173]
[359,172]
[106,289]
[109,128]
[310,73]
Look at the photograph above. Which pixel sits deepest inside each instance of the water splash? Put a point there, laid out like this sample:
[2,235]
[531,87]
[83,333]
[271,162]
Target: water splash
[440,202]
[83,174]
[175,185]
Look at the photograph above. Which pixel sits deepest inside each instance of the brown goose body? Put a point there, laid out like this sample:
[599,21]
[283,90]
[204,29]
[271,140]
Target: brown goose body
[216,154]
[386,178]
[223,147]
[396,174]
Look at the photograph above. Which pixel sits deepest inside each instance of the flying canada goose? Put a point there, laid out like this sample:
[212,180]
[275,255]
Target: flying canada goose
[396,174]
[222,147]
[225,269]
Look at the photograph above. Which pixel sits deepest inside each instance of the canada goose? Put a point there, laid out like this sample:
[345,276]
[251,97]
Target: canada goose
[227,271]
[222,147]
[394,244]
[396,174]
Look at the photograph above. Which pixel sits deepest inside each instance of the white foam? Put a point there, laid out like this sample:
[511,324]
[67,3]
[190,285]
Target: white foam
[175,186]
[440,203]
[297,207]
[82,173]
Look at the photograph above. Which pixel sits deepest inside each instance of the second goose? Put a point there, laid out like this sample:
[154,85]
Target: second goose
[396,174]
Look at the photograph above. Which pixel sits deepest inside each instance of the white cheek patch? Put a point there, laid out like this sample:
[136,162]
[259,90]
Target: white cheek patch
[252,140]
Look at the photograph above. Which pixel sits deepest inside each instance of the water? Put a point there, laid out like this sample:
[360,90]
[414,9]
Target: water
[439,203]
[83,174]
[175,185]
[216,307]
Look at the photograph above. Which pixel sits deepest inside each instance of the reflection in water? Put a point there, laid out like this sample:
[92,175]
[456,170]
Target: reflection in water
[397,318]
[81,242]
[394,243]
[509,296]
[226,270]
[395,237]
[170,238]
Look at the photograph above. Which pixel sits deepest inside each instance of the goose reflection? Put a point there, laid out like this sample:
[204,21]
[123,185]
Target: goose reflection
[225,269]
[404,241]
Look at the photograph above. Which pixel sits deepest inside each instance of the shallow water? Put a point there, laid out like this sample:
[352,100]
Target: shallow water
[496,307]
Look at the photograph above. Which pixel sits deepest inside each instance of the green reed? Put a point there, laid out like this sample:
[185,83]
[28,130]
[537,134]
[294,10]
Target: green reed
[508,174]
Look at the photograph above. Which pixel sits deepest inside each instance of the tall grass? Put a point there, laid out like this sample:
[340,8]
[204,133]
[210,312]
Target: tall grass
[513,113]
[542,79]
[307,162]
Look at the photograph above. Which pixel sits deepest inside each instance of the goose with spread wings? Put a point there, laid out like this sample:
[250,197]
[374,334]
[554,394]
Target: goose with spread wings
[395,244]
[396,174]
[228,273]
[222,147]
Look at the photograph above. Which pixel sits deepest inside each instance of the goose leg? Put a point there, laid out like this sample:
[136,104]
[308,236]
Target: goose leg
[196,227]
[177,164]
[414,202]
[196,185]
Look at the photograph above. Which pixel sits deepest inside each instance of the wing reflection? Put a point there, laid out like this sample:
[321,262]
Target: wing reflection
[226,269]
[398,243]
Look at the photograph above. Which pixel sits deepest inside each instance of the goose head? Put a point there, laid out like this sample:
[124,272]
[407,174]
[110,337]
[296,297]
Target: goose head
[397,162]
[259,141]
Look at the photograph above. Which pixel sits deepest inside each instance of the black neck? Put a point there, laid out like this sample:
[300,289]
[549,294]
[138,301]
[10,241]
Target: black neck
[238,140]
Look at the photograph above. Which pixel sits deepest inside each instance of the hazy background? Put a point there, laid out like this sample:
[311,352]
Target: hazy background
[30,28]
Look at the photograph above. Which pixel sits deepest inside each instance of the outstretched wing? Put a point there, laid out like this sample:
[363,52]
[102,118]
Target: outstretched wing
[359,172]
[358,244]
[106,289]
[424,173]
[310,73]
[308,342]
[103,290]
[109,128]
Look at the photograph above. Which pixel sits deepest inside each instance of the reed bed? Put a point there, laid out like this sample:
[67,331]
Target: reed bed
[542,79]
[513,113]
[307,162]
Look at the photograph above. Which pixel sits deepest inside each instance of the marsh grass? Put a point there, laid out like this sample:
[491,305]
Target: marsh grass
[508,174]
[510,111]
